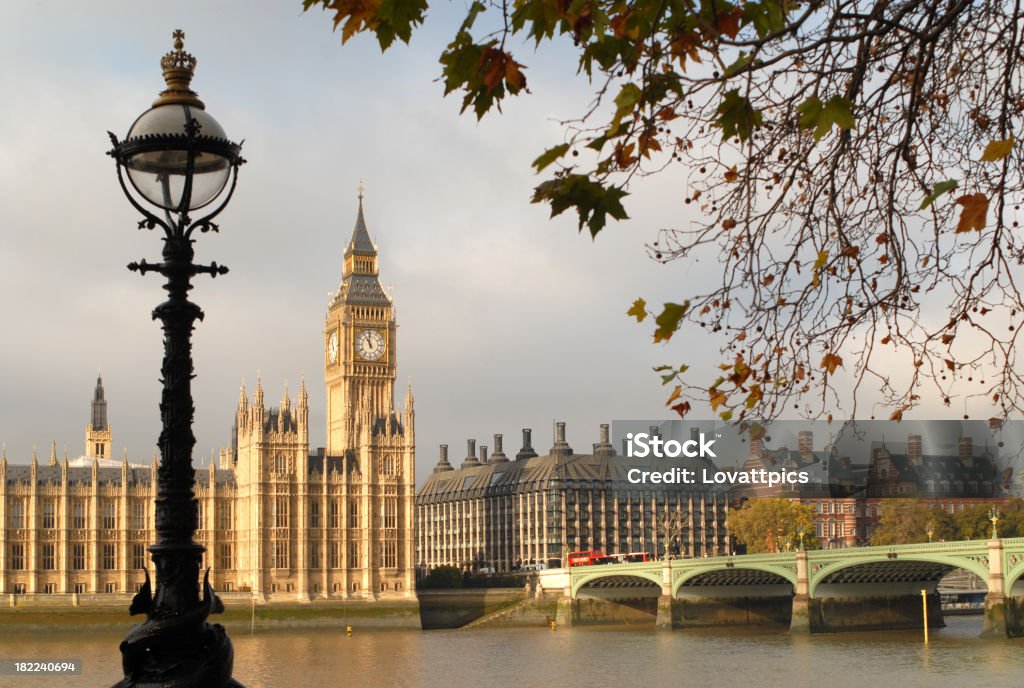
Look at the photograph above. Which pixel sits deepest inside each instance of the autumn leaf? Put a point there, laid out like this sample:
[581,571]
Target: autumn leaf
[972,216]
[947,338]
[997,150]
[830,362]
[717,398]
[728,23]
[897,415]
[638,310]
[682,409]
[728,223]
[950,364]
[731,174]
[676,393]
[668,320]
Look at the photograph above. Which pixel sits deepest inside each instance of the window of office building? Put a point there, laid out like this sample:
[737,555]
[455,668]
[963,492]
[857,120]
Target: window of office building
[78,556]
[109,556]
[353,555]
[49,557]
[224,552]
[138,556]
[314,514]
[138,515]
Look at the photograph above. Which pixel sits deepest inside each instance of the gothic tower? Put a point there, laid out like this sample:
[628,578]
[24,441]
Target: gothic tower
[374,442]
[97,433]
[360,356]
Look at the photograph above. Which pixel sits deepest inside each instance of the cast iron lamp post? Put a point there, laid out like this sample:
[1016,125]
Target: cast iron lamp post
[178,159]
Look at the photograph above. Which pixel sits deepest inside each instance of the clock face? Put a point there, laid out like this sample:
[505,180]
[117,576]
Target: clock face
[332,347]
[370,345]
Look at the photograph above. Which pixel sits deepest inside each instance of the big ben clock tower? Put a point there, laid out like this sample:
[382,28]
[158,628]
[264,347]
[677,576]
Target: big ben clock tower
[359,343]
[371,444]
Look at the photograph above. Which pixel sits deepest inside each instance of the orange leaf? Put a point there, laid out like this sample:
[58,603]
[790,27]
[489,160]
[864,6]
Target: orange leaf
[972,217]
[830,362]
[731,174]
[676,393]
[950,364]
[728,224]
[682,409]
[728,23]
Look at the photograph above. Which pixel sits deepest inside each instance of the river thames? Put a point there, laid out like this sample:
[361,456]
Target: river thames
[527,658]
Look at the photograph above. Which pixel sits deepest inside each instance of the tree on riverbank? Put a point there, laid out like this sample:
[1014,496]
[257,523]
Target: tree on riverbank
[773,525]
[851,165]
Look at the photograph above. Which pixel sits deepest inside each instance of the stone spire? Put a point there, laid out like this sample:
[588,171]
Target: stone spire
[99,407]
[409,399]
[35,459]
[303,394]
[53,454]
[286,402]
[360,243]
[257,398]
[243,399]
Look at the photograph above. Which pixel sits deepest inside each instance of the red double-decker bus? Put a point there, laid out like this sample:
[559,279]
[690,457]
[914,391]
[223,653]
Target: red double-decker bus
[587,557]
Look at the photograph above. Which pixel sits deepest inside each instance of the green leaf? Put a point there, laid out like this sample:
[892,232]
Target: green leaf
[736,116]
[639,311]
[625,103]
[550,155]
[593,201]
[938,190]
[668,320]
[838,111]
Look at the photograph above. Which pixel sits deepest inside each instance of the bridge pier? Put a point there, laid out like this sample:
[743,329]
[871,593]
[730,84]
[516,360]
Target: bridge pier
[664,618]
[995,622]
[564,612]
[800,619]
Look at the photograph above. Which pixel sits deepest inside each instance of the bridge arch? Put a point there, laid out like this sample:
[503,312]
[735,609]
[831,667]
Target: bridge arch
[903,567]
[614,578]
[770,574]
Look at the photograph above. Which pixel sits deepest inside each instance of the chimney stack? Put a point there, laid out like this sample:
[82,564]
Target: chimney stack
[442,463]
[498,456]
[915,449]
[527,451]
[561,447]
[470,459]
[805,442]
[483,453]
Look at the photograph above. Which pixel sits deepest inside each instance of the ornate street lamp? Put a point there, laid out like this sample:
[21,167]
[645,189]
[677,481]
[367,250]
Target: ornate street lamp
[993,515]
[178,159]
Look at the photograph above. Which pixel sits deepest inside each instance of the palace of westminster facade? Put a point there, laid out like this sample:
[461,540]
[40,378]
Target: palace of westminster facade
[275,519]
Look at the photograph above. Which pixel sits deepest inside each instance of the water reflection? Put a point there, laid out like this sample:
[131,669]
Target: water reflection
[523,658]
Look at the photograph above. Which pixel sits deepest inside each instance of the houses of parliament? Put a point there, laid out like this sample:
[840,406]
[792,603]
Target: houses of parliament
[276,519]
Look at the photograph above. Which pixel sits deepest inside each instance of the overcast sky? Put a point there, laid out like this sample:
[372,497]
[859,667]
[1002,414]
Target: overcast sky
[506,318]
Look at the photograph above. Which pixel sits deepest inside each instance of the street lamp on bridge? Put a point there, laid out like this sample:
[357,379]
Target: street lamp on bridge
[177,159]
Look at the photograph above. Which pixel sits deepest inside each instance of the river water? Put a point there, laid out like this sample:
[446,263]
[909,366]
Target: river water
[525,658]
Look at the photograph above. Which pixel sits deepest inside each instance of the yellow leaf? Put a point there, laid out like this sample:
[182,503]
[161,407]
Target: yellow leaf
[972,216]
[822,259]
[717,398]
[830,362]
[638,310]
[997,150]
[675,394]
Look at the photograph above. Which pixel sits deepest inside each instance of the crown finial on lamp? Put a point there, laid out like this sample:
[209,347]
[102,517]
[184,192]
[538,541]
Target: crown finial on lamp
[178,67]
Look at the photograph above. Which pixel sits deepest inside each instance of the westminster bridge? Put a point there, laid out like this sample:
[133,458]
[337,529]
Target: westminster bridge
[858,588]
